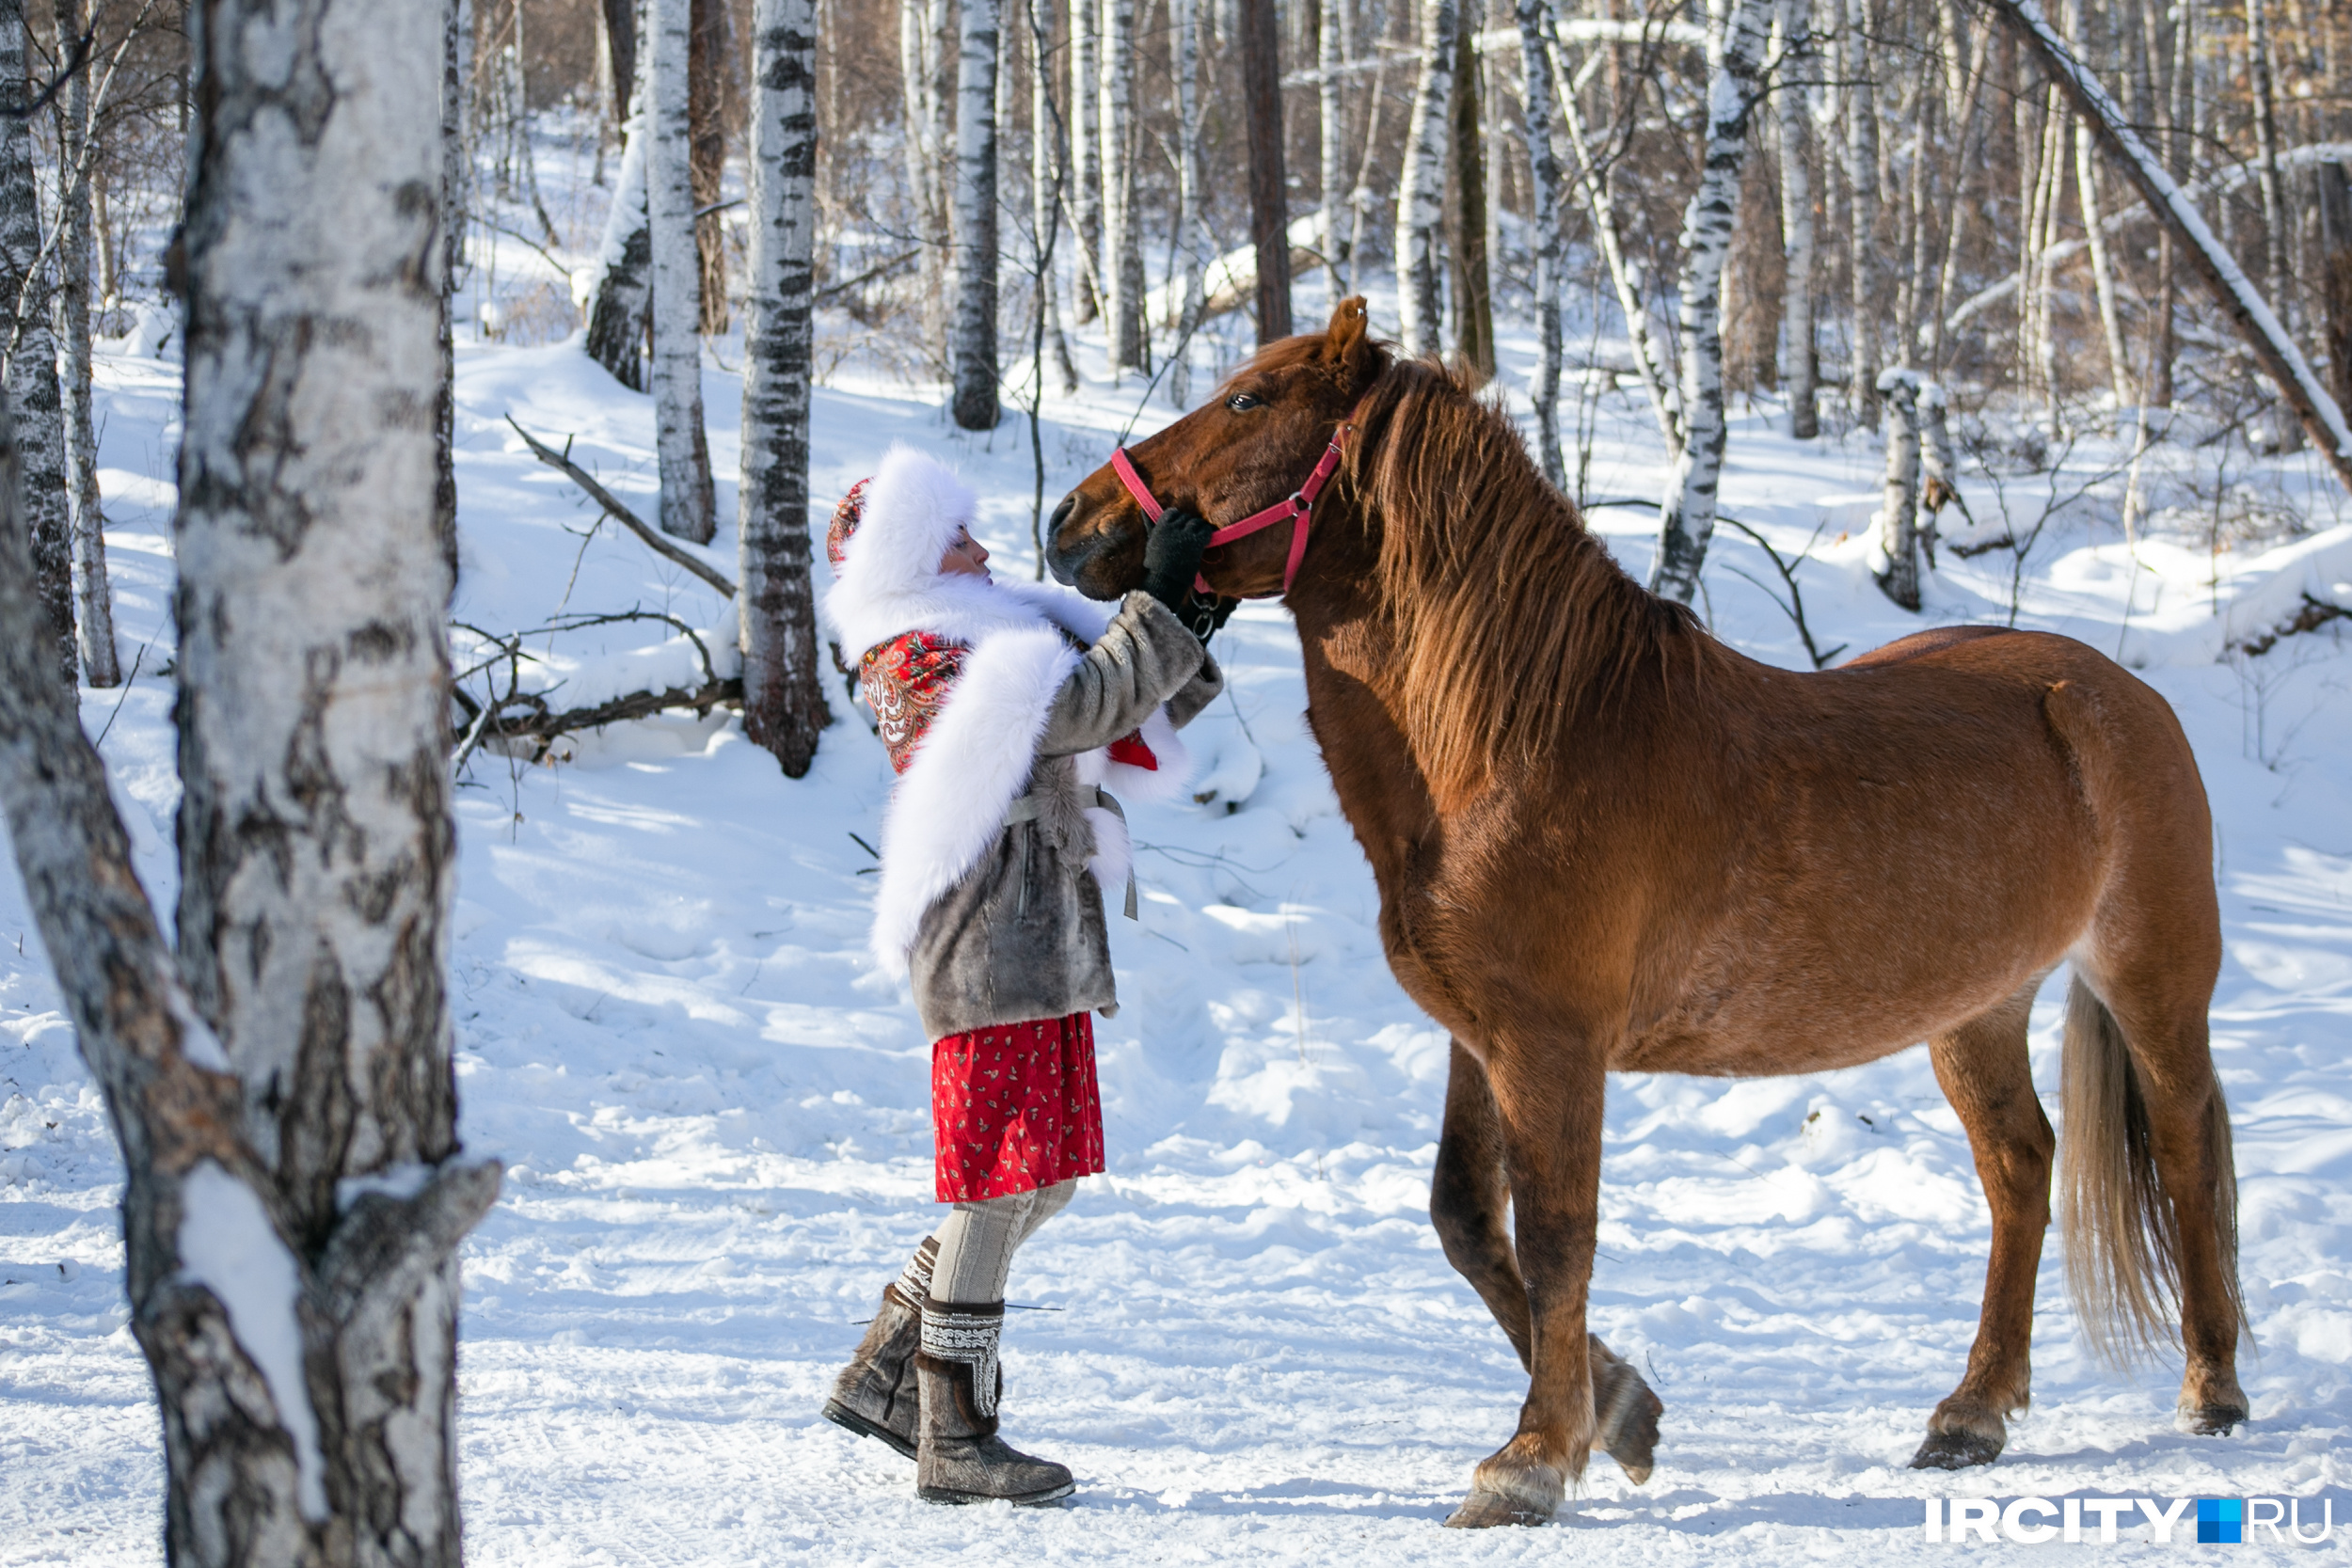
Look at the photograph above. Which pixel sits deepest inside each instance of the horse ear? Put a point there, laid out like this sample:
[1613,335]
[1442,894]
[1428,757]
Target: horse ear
[1348,342]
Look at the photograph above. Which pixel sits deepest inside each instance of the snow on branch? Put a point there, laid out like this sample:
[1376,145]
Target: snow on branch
[562,462]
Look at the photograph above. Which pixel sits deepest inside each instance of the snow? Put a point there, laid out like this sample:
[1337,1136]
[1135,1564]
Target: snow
[1247,1342]
[228,1245]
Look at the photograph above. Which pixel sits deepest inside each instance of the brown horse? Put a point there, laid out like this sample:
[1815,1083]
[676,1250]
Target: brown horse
[1606,842]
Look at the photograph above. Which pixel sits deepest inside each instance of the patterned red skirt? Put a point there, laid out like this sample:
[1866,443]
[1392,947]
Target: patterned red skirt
[1014,1107]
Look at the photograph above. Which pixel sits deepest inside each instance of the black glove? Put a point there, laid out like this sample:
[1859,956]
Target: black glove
[1172,557]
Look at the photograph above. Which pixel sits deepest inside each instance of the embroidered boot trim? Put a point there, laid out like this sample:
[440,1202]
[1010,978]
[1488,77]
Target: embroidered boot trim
[913,1283]
[969,1333]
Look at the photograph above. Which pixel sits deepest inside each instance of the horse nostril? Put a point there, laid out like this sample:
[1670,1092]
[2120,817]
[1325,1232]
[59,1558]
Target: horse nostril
[1061,513]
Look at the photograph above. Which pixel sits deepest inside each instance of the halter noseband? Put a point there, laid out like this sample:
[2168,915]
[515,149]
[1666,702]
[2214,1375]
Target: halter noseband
[1300,504]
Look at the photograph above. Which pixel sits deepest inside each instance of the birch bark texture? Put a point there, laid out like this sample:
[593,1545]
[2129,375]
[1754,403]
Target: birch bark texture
[456,163]
[689,507]
[31,373]
[1544,180]
[1421,199]
[784,700]
[295,1285]
[1865,270]
[1895,553]
[1121,265]
[1798,369]
[623,285]
[93,602]
[1191,236]
[1048,188]
[1736,83]
[975,404]
[1086,156]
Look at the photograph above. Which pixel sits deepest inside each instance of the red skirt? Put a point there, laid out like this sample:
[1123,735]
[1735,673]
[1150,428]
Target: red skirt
[1014,1108]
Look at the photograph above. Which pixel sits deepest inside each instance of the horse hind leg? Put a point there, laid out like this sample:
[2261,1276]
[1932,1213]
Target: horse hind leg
[2151,1186]
[1469,1193]
[1987,1076]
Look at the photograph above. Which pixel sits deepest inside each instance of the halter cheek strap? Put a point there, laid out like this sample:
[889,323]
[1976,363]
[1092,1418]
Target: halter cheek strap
[1299,504]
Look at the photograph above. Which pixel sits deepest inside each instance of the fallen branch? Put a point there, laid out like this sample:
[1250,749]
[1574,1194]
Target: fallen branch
[562,462]
[2314,614]
[525,716]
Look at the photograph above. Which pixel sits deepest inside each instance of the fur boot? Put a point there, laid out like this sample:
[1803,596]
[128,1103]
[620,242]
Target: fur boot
[877,1394]
[962,1460]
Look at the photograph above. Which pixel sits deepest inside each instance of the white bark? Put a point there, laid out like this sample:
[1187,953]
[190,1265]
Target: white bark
[1734,85]
[1797,368]
[1895,556]
[2274,221]
[1191,232]
[1331,165]
[317,844]
[94,619]
[1545,181]
[32,359]
[689,509]
[1421,197]
[1121,272]
[2102,269]
[975,405]
[623,288]
[2249,314]
[1862,182]
[1086,155]
[1045,174]
[784,702]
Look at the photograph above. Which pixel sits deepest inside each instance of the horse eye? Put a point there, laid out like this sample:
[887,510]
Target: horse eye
[1242,403]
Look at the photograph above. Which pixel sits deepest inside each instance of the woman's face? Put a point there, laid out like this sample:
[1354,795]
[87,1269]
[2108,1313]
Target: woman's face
[967,557]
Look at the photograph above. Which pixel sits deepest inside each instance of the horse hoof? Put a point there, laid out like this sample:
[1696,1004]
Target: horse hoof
[1629,1430]
[1486,1510]
[1955,1450]
[2212,1420]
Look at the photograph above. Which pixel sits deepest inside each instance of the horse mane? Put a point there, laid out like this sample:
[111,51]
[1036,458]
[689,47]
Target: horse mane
[1512,618]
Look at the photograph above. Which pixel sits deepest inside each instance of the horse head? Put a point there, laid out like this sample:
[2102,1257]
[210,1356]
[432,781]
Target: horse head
[1243,450]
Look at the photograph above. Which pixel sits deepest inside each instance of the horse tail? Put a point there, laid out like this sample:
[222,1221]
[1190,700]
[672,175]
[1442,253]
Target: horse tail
[2121,1236]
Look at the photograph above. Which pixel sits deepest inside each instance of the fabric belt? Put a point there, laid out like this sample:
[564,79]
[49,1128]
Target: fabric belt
[1026,809]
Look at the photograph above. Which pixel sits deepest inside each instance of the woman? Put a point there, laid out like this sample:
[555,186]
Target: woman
[1011,712]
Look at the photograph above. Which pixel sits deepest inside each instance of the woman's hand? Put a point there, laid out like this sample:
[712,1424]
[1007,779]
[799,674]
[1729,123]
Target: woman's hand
[1172,557]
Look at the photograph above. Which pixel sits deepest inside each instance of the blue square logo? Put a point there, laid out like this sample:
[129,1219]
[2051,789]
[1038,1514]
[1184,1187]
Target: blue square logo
[2220,1521]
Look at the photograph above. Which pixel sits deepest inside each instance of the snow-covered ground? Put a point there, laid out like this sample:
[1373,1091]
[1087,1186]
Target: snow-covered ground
[1245,1341]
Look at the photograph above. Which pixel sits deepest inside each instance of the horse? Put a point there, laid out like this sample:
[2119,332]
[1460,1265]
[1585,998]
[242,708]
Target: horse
[1606,842]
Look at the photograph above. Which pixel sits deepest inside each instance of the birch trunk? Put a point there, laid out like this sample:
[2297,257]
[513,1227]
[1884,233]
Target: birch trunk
[2102,268]
[1085,154]
[1544,180]
[711,57]
[1191,238]
[784,700]
[1798,368]
[1862,181]
[624,292]
[1332,123]
[919,27]
[1473,285]
[975,404]
[1686,519]
[2276,279]
[94,620]
[1896,562]
[1269,215]
[1420,198]
[680,448]
[295,1196]
[1046,178]
[456,163]
[2248,314]
[32,361]
[1122,271]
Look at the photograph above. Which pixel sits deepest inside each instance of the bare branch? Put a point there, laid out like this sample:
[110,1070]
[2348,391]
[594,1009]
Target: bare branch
[621,514]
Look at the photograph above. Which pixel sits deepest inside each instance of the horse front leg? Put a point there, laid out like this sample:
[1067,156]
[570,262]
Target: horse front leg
[1468,1195]
[1550,1110]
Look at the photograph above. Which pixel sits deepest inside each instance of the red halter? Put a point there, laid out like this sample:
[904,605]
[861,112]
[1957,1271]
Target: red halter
[1300,504]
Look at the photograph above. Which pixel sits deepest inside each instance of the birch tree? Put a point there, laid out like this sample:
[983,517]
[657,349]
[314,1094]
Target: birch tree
[681,449]
[1190,239]
[456,168]
[1894,558]
[1421,196]
[283,1092]
[32,360]
[1734,85]
[1544,180]
[1798,368]
[1122,266]
[975,404]
[1085,154]
[624,278]
[783,701]
[1048,186]
[1862,183]
[1331,127]
[94,617]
